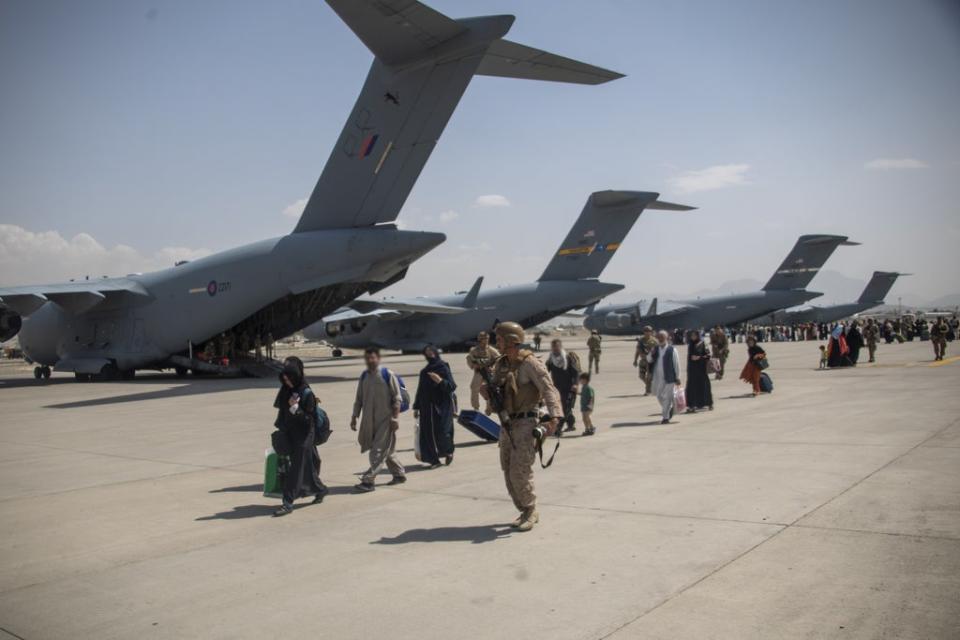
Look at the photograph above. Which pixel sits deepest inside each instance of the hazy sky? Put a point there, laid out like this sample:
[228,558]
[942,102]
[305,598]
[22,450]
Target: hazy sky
[133,133]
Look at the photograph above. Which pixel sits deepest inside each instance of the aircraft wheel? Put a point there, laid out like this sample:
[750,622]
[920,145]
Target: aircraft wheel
[37,373]
[128,374]
[337,353]
[180,371]
[82,377]
[46,372]
[109,372]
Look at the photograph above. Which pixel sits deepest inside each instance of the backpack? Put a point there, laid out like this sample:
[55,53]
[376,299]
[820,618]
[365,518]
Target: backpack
[321,423]
[404,394]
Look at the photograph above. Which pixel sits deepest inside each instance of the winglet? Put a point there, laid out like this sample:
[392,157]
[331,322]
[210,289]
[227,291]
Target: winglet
[470,299]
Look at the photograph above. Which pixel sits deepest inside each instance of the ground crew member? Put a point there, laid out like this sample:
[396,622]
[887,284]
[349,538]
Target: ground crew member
[720,348]
[593,346]
[270,345]
[480,357]
[645,344]
[524,382]
[258,348]
[938,336]
[871,335]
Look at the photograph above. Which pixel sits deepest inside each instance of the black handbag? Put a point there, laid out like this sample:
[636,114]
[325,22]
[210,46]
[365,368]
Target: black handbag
[762,363]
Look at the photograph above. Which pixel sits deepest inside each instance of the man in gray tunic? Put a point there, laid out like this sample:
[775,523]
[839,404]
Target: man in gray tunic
[378,402]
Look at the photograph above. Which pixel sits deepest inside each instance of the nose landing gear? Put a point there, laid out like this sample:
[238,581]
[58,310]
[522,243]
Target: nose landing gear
[41,373]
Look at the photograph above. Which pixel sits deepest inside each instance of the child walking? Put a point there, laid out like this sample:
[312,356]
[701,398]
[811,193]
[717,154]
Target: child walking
[587,396]
[823,357]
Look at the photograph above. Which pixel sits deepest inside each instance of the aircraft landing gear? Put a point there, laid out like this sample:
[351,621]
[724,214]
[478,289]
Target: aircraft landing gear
[83,377]
[42,372]
[337,353]
[180,371]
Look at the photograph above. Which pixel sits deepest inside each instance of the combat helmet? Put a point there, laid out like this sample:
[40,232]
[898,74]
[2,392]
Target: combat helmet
[511,332]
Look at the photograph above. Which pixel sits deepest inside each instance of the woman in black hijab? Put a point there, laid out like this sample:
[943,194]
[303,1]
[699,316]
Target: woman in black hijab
[699,393]
[435,406]
[296,414]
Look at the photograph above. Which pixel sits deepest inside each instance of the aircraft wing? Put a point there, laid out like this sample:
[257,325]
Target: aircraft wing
[369,305]
[73,297]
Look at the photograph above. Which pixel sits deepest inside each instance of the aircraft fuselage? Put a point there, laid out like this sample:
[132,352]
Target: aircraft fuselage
[529,304]
[273,286]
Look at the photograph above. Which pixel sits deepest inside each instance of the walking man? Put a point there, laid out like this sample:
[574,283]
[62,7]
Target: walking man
[564,371]
[871,335]
[720,348]
[666,374]
[480,357]
[524,382]
[378,402]
[645,346]
[593,346]
[938,336]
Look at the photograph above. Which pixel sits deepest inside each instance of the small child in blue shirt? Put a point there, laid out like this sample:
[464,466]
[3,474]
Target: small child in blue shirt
[587,397]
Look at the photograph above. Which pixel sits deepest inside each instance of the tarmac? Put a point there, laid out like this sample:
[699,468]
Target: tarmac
[828,509]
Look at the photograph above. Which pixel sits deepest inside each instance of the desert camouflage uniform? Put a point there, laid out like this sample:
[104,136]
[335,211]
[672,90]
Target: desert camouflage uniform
[479,357]
[720,349]
[645,344]
[525,383]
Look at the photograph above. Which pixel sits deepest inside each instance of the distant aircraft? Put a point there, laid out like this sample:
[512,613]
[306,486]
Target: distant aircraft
[569,282]
[344,244]
[873,296]
[786,288]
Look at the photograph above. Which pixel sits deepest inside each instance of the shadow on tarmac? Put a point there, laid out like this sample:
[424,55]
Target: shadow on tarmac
[653,423]
[475,534]
[189,387]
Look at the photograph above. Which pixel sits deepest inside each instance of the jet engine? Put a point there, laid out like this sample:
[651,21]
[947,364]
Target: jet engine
[615,320]
[10,323]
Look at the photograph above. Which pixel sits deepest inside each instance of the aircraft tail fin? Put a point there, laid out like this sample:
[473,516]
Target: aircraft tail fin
[470,299]
[652,309]
[804,261]
[606,219]
[878,287]
[423,63]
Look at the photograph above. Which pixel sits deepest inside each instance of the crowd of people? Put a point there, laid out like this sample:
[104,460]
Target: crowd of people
[542,395]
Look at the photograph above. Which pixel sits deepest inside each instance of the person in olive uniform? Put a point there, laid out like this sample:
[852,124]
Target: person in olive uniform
[720,348]
[524,383]
[593,349]
[480,357]
[938,336]
[871,336]
[645,345]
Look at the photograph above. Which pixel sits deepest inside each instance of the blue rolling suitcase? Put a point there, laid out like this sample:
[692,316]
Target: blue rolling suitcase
[479,425]
[766,383]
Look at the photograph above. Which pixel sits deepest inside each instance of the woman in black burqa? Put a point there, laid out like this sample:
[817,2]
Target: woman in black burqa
[296,406]
[435,407]
[699,393]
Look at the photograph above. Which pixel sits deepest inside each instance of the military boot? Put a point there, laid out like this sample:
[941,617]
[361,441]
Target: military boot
[530,517]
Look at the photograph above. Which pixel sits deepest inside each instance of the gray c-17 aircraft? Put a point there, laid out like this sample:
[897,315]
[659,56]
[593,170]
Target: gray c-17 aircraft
[569,282]
[786,288]
[873,296]
[345,243]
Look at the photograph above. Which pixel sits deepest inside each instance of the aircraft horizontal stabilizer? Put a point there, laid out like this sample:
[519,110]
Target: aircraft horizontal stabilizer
[508,59]
[669,206]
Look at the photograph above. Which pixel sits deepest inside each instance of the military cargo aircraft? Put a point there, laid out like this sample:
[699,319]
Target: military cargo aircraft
[569,282]
[345,243]
[873,296]
[786,288]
